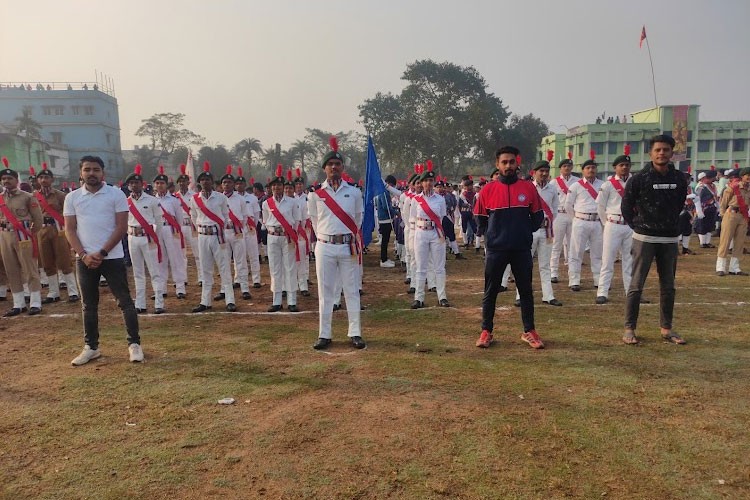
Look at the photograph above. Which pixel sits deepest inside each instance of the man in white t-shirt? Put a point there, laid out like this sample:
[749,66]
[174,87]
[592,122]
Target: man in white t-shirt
[96,219]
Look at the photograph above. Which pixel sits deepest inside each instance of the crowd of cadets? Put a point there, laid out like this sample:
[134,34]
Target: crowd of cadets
[235,224]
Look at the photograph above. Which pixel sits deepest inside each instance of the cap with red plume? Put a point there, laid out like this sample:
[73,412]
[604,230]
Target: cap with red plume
[227,174]
[240,177]
[591,160]
[570,154]
[427,173]
[592,154]
[690,169]
[32,172]
[252,180]
[5,162]
[623,158]
[550,155]
[289,181]
[7,170]
[45,171]
[713,167]
[183,173]
[361,183]
[736,165]
[206,174]
[278,176]
[333,154]
[136,175]
[65,185]
[626,149]
[161,176]
[299,178]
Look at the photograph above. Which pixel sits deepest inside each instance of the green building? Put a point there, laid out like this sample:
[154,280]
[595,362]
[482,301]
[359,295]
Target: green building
[22,153]
[699,145]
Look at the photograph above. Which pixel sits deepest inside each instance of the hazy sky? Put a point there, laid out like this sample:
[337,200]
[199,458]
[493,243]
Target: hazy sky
[268,69]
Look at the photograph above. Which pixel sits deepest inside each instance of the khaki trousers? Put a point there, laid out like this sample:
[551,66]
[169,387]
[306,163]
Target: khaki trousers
[19,262]
[54,252]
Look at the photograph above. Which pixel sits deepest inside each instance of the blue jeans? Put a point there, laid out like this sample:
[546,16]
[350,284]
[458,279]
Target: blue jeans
[116,275]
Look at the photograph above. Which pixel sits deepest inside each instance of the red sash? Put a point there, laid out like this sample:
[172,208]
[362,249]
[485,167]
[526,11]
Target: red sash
[49,210]
[563,186]
[291,233]
[548,212]
[218,220]
[235,222]
[185,207]
[589,188]
[345,218]
[20,228]
[432,215]
[302,232]
[741,201]
[172,221]
[618,186]
[250,224]
[145,226]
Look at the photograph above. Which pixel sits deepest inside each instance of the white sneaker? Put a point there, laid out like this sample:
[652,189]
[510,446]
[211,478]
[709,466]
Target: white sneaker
[388,263]
[136,353]
[86,355]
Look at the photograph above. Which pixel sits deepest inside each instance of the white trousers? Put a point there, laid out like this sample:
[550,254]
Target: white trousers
[237,251]
[409,243]
[303,266]
[618,238]
[191,241]
[173,258]
[585,233]
[282,266]
[334,266]
[144,255]
[253,257]
[211,251]
[562,227]
[542,248]
[429,256]
[734,264]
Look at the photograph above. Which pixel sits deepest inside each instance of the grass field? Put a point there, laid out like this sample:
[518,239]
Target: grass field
[420,413]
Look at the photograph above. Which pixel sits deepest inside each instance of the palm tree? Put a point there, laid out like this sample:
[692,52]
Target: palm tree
[270,157]
[29,129]
[246,147]
[301,149]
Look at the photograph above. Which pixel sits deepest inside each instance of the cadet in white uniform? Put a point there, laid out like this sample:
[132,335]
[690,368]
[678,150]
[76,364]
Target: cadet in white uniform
[252,209]
[563,224]
[189,231]
[169,231]
[305,243]
[234,232]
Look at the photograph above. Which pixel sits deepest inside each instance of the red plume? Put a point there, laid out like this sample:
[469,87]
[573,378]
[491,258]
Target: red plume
[171,180]
[570,154]
[65,185]
[416,168]
[471,178]
[119,184]
[183,169]
[44,165]
[736,165]
[626,149]
[592,154]
[299,173]
[713,167]
[252,180]
[138,169]
[361,183]
[31,170]
[239,171]
[229,169]
[161,169]
[289,175]
[279,170]
[429,165]
[482,179]
[206,166]
[550,155]
[334,143]
[690,169]
[518,159]
[5,162]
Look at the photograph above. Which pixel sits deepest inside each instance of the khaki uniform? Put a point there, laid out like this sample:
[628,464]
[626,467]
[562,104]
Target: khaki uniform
[54,250]
[733,227]
[16,249]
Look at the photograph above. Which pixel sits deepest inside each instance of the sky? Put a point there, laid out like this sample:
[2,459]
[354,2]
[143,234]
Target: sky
[270,69]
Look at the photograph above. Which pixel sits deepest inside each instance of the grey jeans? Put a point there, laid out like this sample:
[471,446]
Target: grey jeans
[666,265]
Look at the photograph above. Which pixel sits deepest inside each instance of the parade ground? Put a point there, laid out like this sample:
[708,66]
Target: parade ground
[420,413]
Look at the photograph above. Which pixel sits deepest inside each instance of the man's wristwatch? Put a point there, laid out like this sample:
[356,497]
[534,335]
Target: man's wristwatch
[103,252]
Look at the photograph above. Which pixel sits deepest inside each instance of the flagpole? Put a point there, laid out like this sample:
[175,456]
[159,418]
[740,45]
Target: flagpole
[653,78]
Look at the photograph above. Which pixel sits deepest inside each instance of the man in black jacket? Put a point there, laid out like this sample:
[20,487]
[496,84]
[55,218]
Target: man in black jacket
[651,206]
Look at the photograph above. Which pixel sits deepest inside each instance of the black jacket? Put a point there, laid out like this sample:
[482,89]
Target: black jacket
[652,202]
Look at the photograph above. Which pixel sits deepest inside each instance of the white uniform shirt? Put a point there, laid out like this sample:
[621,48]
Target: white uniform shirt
[404,202]
[302,201]
[561,196]
[183,216]
[435,202]
[289,209]
[324,221]
[252,207]
[609,200]
[236,203]
[580,200]
[172,206]
[216,203]
[549,194]
[149,208]
[95,217]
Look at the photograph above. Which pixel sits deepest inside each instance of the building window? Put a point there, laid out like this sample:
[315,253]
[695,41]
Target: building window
[634,147]
[56,137]
[28,110]
[722,145]
[109,139]
[598,147]
[668,132]
[612,147]
[89,110]
[739,145]
[580,149]
[690,152]
[690,136]
[53,110]
[76,110]
[704,146]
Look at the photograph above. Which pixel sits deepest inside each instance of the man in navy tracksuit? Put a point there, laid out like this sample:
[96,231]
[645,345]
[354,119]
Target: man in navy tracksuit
[509,210]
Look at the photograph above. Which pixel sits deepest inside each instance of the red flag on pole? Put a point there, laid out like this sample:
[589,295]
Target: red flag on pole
[643,37]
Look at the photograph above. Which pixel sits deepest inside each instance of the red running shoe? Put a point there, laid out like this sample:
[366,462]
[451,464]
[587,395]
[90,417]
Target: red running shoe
[485,339]
[532,338]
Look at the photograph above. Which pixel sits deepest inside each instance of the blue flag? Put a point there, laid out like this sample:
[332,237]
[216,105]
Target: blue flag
[373,187]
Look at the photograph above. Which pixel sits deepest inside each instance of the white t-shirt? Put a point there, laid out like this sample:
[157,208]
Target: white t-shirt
[95,216]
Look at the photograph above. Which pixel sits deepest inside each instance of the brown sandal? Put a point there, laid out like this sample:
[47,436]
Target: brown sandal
[673,338]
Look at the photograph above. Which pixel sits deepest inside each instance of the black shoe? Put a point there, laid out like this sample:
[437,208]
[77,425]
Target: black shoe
[200,308]
[50,300]
[336,307]
[503,289]
[601,299]
[220,296]
[720,273]
[200,283]
[103,284]
[361,292]
[553,302]
[163,295]
[273,309]
[433,289]
[460,256]
[322,343]
[554,280]
[575,288]
[141,311]
[33,311]
[231,307]
[256,285]
[292,308]
[476,250]
[235,285]
[358,343]
[63,286]
[27,298]
[407,281]
[246,296]
[738,273]
[14,312]
[444,303]
[418,304]
[283,294]
[305,293]
[180,296]
[73,298]
[44,285]
[159,310]
[517,302]
[411,290]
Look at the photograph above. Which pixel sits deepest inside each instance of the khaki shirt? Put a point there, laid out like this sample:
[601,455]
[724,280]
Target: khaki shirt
[24,206]
[728,199]
[55,199]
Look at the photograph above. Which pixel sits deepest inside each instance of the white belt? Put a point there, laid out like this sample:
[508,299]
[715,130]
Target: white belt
[425,224]
[587,216]
[616,219]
